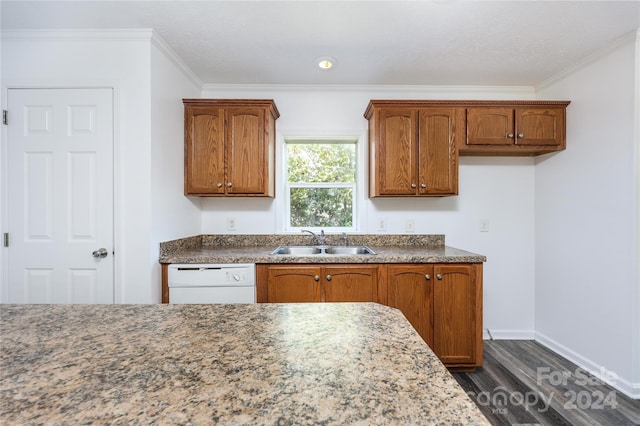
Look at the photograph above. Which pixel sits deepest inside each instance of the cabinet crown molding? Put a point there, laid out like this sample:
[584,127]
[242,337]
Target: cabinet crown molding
[415,103]
[234,102]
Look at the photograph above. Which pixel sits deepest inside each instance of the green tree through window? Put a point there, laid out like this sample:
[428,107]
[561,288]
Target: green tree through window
[321,183]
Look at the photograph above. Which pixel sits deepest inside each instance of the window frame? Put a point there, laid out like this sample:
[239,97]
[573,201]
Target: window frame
[355,186]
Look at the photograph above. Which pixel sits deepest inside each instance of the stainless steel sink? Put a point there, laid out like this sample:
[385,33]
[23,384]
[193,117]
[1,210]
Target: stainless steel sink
[304,250]
[349,250]
[315,250]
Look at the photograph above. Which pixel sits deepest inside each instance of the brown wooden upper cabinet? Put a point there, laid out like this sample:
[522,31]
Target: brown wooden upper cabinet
[413,148]
[515,129]
[229,147]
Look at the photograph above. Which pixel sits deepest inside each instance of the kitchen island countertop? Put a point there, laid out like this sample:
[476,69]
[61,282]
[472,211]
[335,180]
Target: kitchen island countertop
[347,363]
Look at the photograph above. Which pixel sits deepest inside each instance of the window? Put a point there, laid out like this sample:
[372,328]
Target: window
[320,184]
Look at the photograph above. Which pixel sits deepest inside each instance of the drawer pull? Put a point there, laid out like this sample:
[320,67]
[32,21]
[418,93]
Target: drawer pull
[328,277]
[439,276]
[317,278]
[428,277]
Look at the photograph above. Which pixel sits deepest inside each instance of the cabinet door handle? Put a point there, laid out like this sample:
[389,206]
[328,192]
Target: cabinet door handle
[317,278]
[328,277]
[428,277]
[413,185]
[521,135]
[219,185]
[439,276]
[229,185]
[423,185]
[510,135]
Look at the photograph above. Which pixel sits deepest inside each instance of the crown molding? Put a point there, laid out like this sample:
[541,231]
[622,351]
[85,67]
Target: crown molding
[159,42]
[598,54]
[463,92]
[124,35]
[143,34]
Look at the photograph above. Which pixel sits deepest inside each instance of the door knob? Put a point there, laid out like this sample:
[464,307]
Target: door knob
[100,253]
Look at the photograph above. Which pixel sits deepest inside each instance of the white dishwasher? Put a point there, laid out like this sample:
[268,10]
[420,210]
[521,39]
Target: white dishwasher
[207,283]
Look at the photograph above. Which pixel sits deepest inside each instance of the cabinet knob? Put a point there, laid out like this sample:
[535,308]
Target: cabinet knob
[510,135]
[423,185]
[439,276]
[229,185]
[328,277]
[428,277]
[521,135]
[413,185]
[317,278]
[219,185]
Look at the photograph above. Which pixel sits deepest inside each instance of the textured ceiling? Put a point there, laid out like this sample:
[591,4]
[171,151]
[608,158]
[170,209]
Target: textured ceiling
[437,42]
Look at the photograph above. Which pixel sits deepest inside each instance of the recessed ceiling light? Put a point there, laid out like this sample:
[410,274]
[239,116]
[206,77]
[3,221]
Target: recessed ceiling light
[325,62]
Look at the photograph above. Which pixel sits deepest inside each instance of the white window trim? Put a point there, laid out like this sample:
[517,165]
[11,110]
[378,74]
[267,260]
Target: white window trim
[360,187]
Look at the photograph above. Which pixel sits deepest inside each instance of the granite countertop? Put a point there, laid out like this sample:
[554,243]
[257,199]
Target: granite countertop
[339,364]
[258,248]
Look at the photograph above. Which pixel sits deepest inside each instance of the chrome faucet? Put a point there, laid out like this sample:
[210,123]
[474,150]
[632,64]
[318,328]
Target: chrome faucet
[345,239]
[320,239]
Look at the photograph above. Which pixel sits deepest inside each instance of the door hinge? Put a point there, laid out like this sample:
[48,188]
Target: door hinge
[6,239]
[5,121]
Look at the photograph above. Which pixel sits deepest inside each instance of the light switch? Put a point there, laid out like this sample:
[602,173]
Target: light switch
[484,225]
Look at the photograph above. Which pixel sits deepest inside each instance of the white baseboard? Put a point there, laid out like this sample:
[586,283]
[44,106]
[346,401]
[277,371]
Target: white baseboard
[630,389]
[489,334]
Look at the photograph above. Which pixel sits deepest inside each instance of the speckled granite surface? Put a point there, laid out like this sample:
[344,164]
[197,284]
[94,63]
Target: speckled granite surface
[257,249]
[222,364]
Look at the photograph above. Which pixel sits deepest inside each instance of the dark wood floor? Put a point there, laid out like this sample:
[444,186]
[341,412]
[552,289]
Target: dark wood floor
[522,382]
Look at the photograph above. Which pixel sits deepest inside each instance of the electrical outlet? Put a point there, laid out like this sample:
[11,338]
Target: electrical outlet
[382,224]
[409,226]
[484,225]
[231,224]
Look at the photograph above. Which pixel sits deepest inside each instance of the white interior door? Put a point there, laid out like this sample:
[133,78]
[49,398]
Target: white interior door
[60,194]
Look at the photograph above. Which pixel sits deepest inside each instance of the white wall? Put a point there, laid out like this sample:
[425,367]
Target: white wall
[498,189]
[586,291]
[148,129]
[172,214]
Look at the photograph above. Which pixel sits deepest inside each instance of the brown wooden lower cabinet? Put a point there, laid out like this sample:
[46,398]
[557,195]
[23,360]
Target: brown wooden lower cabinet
[457,315]
[411,291]
[443,302]
[293,284]
[313,283]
